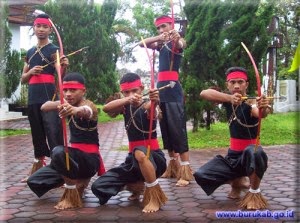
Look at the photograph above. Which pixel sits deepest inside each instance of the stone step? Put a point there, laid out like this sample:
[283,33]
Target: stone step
[5,115]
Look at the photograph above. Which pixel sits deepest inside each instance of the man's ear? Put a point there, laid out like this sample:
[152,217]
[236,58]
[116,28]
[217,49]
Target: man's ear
[247,84]
[226,84]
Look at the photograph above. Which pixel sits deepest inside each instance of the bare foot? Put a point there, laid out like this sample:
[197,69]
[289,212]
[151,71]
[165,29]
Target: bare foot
[237,186]
[24,180]
[235,193]
[182,183]
[151,207]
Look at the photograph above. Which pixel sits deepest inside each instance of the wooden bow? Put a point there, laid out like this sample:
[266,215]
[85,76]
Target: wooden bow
[258,86]
[152,107]
[59,71]
[173,27]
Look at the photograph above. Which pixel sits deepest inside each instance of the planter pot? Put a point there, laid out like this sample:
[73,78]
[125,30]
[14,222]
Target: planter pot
[12,107]
[18,108]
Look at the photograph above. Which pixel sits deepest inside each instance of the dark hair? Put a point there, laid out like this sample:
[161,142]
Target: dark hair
[74,76]
[44,16]
[232,69]
[129,77]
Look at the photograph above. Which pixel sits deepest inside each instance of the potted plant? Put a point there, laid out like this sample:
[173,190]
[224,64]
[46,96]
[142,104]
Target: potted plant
[20,104]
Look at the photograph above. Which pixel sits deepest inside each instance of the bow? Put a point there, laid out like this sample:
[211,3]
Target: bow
[173,26]
[59,74]
[258,86]
[152,104]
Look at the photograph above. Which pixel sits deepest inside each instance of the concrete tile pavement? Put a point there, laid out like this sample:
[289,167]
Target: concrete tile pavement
[186,204]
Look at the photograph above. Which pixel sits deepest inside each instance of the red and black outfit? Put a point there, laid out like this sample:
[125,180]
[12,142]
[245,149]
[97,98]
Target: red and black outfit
[85,159]
[46,127]
[173,123]
[113,181]
[241,159]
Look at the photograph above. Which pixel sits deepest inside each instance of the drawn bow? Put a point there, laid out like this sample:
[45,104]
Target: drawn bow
[258,86]
[152,107]
[173,26]
[59,74]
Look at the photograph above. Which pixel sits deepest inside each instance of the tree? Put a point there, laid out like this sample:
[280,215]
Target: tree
[10,60]
[288,12]
[200,64]
[141,25]
[87,24]
[216,30]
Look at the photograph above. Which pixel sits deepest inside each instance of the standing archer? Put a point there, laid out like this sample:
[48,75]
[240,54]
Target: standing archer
[46,127]
[170,45]
[244,157]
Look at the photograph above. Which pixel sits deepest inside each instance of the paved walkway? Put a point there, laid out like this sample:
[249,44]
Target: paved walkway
[186,204]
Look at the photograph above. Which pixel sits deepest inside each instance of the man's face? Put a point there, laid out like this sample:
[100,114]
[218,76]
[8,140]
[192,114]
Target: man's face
[136,90]
[237,85]
[164,27]
[74,96]
[42,31]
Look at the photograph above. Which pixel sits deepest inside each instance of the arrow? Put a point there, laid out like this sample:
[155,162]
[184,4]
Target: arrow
[171,85]
[253,97]
[70,54]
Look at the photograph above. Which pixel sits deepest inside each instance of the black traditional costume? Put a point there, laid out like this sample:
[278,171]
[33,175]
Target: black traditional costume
[114,180]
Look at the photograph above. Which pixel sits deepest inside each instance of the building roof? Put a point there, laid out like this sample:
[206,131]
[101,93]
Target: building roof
[20,11]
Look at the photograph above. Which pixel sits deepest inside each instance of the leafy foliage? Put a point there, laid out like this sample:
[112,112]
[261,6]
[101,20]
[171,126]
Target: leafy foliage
[86,24]
[216,30]
[288,12]
[10,60]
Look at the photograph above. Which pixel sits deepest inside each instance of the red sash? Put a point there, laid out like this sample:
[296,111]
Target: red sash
[42,78]
[168,76]
[240,144]
[90,148]
[153,144]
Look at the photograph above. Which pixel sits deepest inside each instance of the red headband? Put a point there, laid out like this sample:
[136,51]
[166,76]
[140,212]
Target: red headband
[72,85]
[42,21]
[162,20]
[129,85]
[236,75]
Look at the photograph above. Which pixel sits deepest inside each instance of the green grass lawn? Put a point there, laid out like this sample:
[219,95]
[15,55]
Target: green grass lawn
[103,117]
[276,129]
[11,132]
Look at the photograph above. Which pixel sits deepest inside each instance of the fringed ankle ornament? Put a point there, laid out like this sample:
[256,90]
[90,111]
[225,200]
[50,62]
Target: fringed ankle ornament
[172,168]
[185,174]
[136,188]
[253,200]
[70,198]
[37,164]
[154,197]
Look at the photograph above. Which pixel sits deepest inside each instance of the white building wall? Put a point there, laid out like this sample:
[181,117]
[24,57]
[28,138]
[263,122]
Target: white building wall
[16,36]
[287,89]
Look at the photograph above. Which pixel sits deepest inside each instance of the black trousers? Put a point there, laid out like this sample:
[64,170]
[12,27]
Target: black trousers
[220,170]
[46,130]
[112,182]
[82,166]
[173,127]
